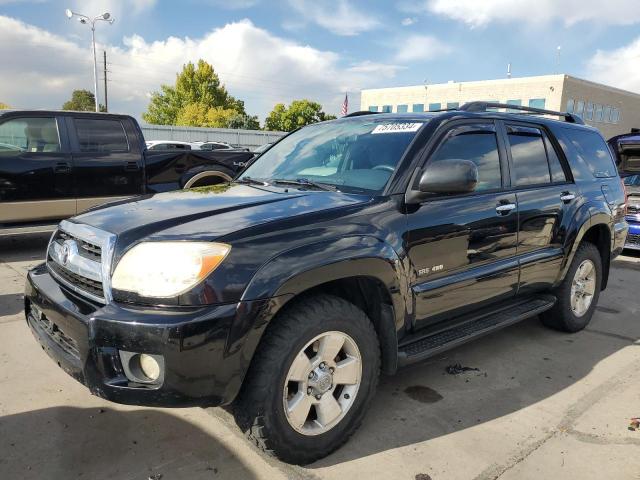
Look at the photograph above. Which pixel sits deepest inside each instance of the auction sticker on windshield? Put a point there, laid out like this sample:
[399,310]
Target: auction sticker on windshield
[397,128]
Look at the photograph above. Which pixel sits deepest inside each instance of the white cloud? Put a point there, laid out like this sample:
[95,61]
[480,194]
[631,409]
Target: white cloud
[478,13]
[408,21]
[617,67]
[339,16]
[256,66]
[419,47]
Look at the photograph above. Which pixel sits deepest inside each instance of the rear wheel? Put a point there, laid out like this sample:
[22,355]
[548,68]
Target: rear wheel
[579,292]
[311,380]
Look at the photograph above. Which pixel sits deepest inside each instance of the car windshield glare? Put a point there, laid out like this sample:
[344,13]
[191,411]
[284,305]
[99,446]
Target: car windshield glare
[353,155]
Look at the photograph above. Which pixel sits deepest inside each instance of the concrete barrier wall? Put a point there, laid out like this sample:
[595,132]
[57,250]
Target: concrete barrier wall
[244,138]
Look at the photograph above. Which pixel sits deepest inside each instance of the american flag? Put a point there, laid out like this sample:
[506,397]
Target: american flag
[345,105]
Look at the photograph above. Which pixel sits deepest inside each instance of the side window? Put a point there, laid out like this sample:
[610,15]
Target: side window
[529,156]
[29,135]
[97,135]
[555,167]
[591,149]
[479,144]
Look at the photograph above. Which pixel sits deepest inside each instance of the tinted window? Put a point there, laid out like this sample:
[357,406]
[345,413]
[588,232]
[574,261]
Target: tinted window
[373,108]
[434,106]
[453,104]
[101,135]
[402,108]
[386,109]
[29,135]
[477,143]
[529,156]
[557,172]
[570,105]
[537,102]
[588,111]
[418,107]
[591,149]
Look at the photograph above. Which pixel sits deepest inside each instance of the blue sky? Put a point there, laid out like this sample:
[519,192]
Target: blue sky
[267,52]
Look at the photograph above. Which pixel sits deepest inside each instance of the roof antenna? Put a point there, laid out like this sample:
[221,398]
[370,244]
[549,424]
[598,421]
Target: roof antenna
[509,70]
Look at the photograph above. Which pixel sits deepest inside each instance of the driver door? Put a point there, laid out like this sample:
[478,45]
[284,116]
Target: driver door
[462,247]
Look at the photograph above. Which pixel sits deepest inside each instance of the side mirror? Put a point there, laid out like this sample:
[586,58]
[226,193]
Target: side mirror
[447,177]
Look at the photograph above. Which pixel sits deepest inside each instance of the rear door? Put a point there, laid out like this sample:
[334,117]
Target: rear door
[547,198]
[107,158]
[463,247]
[36,174]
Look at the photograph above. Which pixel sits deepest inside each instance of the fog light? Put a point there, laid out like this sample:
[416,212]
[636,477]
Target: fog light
[149,366]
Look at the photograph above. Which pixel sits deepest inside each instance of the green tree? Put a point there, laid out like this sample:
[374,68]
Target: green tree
[82,101]
[296,115]
[4,106]
[197,98]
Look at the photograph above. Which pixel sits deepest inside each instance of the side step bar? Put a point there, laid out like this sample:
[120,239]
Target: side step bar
[27,229]
[475,327]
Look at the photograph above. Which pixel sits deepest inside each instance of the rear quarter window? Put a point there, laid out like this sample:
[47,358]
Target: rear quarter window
[591,148]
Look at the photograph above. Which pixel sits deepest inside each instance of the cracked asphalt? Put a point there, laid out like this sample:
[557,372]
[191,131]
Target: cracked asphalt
[542,404]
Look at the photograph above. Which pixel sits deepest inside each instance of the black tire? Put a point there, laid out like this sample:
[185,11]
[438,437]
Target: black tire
[561,316]
[259,408]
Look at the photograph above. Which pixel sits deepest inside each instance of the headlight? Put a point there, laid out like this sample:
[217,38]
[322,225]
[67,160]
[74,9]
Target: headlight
[167,269]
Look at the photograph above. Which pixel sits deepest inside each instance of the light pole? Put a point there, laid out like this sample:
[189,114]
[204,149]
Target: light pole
[105,17]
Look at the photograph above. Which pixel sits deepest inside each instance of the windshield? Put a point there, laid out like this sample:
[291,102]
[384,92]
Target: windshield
[632,181]
[354,156]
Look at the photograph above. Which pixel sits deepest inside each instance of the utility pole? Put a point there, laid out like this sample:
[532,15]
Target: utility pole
[106,98]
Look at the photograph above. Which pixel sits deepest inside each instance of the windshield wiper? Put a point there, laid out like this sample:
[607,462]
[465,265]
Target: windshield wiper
[252,181]
[304,182]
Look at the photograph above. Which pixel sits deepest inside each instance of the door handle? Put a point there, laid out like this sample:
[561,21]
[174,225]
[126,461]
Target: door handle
[62,167]
[505,209]
[566,197]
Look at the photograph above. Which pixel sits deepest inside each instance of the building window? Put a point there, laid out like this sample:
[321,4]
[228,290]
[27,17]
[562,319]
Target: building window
[579,108]
[615,115]
[386,108]
[418,107]
[537,102]
[570,104]
[516,103]
[607,114]
[402,109]
[453,105]
[434,106]
[373,108]
[598,112]
[588,111]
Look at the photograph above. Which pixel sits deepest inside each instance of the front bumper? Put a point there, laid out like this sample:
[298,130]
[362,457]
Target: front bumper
[204,348]
[633,238]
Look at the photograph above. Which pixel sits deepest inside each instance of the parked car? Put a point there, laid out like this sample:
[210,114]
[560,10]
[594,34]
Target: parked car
[632,182]
[627,151]
[171,145]
[350,247]
[54,165]
[214,146]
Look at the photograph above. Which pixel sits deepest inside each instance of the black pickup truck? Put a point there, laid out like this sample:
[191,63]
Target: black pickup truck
[56,164]
[348,248]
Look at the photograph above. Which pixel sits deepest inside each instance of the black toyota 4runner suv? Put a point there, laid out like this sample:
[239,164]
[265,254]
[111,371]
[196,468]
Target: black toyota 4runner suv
[348,248]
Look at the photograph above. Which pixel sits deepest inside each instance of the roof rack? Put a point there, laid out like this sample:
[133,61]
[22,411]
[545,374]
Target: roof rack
[359,114]
[484,106]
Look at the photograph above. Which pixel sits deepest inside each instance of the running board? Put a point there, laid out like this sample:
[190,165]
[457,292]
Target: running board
[27,229]
[475,327]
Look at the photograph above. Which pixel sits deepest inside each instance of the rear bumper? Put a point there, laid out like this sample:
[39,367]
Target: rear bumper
[204,348]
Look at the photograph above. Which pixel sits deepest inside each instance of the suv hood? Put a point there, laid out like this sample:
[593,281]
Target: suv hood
[209,212]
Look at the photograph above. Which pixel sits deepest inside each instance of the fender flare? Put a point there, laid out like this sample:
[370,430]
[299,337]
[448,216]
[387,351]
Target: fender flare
[586,217]
[190,178]
[287,275]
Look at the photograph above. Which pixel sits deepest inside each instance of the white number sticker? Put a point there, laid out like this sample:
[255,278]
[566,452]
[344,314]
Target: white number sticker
[396,128]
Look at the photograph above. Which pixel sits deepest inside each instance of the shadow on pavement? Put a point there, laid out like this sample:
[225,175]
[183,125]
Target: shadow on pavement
[66,442]
[21,248]
[11,303]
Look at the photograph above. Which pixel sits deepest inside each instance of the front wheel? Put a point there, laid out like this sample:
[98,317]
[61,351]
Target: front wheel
[311,380]
[578,293]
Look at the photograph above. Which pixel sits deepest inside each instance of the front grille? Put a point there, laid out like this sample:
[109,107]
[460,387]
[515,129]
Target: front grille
[92,286]
[75,259]
[633,239]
